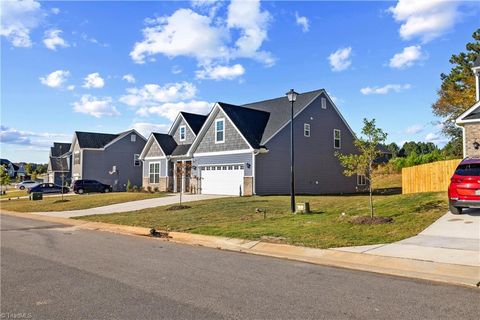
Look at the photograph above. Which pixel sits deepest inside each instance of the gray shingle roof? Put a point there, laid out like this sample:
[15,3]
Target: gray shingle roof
[195,121]
[279,109]
[475,114]
[94,140]
[59,149]
[166,142]
[181,150]
[250,122]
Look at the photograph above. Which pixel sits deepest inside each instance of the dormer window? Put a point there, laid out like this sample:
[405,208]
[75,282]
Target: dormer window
[219,130]
[183,133]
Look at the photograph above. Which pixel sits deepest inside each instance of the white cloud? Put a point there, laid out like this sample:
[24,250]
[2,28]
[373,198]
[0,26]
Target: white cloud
[220,72]
[206,38]
[85,37]
[129,78]
[407,57]
[146,128]
[56,79]
[425,19]
[435,138]
[340,59]
[170,110]
[385,89]
[176,69]
[52,39]
[303,22]
[93,80]
[27,138]
[97,107]
[17,19]
[55,10]
[416,128]
[153,94]
[71,87]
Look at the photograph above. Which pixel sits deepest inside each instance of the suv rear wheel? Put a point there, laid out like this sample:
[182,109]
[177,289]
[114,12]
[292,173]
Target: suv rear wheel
[455,210]
[107,190]
[80,191]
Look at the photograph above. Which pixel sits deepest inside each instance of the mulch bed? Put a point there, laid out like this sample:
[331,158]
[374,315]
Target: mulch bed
[60,201]
[177,207]
[371,220]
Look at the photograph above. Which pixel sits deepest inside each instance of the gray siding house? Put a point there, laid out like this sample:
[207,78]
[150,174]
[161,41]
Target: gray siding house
[469,121]
[109,158]
[59,164]
[245,150]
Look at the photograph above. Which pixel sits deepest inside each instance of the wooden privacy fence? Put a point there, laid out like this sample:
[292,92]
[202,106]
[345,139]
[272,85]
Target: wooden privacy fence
[428,177]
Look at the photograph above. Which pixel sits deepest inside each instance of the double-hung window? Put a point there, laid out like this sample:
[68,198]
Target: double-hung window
[324,103]
[337,139]
[361,180]
[183,133]
[136,160]
[219,130]
[154,173]
[306,130]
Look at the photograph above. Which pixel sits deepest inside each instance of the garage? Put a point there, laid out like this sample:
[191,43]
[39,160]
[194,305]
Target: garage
[222,179]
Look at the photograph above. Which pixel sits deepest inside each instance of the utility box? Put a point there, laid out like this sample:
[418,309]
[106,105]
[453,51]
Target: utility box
[303,207]
[36,196]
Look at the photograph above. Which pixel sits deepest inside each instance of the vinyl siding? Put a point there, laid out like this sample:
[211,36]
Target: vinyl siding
[146,167]
[317,169]
[98,163]
[233,139]
[189,136]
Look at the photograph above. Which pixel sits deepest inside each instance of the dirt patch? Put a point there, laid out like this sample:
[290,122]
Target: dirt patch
[178,207]
[371,220]
[272,239]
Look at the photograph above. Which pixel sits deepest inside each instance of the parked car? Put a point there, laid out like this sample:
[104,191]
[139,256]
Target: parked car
[87,186]
[26,184]
[464,190]
[48,188]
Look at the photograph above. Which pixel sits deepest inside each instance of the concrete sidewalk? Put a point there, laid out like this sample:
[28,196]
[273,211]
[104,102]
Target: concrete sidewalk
[452,239]
[466,275]
[130,206]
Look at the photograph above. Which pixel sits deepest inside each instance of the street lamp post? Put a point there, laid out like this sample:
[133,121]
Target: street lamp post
[292,96]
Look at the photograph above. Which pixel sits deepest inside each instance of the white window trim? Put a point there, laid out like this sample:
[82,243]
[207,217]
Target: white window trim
[339,139]
[150,172]
[323,103]
[184,133]
[359,180]
[136,159]
[306,129]
[215,131]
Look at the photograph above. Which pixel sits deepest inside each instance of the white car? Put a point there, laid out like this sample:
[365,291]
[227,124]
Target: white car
[26,184]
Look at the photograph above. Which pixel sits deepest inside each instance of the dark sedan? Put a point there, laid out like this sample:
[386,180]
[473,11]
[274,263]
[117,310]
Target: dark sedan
[49,188]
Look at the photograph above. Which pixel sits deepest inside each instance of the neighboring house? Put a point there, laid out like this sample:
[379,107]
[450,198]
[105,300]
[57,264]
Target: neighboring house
[59,164]
[109,158]
[9,166]
[245,150]
[470,120]
[20,170]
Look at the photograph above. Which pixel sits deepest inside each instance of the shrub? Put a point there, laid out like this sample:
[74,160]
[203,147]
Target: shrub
[156,190]
[135,189]
[129,186]
[149,189]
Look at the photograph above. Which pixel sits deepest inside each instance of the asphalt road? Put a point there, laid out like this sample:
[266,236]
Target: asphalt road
[59,272]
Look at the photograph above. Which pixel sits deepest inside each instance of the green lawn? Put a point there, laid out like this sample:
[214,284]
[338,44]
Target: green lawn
[236,217]
[75,202]
[13,193]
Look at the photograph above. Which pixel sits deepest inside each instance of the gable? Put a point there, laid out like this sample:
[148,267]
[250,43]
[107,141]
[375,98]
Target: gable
[154,150]
[471,115]
[189,135]
[233,139]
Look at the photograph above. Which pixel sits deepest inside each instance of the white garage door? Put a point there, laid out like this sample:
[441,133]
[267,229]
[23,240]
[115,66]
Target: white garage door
[222,179]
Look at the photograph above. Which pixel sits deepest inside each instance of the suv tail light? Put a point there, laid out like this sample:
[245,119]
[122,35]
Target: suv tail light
[456,180]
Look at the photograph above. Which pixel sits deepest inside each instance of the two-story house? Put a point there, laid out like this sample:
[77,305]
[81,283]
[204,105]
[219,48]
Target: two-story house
[469,121]
[59,164]
[109,158]
[245,150]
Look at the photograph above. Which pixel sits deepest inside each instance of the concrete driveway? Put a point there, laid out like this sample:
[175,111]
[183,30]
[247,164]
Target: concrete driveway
[131,206]
[453,239]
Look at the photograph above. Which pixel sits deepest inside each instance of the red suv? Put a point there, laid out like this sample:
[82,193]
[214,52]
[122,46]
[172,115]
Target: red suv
[464,190]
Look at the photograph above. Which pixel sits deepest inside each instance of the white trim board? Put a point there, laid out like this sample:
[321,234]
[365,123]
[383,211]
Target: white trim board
[219,153]
[460,120]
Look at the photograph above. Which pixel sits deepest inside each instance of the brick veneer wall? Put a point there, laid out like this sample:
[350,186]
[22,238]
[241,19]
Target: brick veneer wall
[472,134]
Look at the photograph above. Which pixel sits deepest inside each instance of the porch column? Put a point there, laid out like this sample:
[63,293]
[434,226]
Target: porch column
[183,175]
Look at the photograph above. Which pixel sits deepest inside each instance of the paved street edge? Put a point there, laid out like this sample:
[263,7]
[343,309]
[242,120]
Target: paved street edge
[417,269]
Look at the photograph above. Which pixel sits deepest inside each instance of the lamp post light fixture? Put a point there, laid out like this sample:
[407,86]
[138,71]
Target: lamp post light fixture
[292,96]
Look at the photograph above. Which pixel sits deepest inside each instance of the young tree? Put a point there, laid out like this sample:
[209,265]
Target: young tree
[4,178]
[362,162]
[183,168]
[457,91]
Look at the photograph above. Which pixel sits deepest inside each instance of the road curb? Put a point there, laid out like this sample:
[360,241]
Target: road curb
[418,269]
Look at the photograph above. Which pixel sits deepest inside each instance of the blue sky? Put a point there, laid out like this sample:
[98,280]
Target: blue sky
[112,66]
